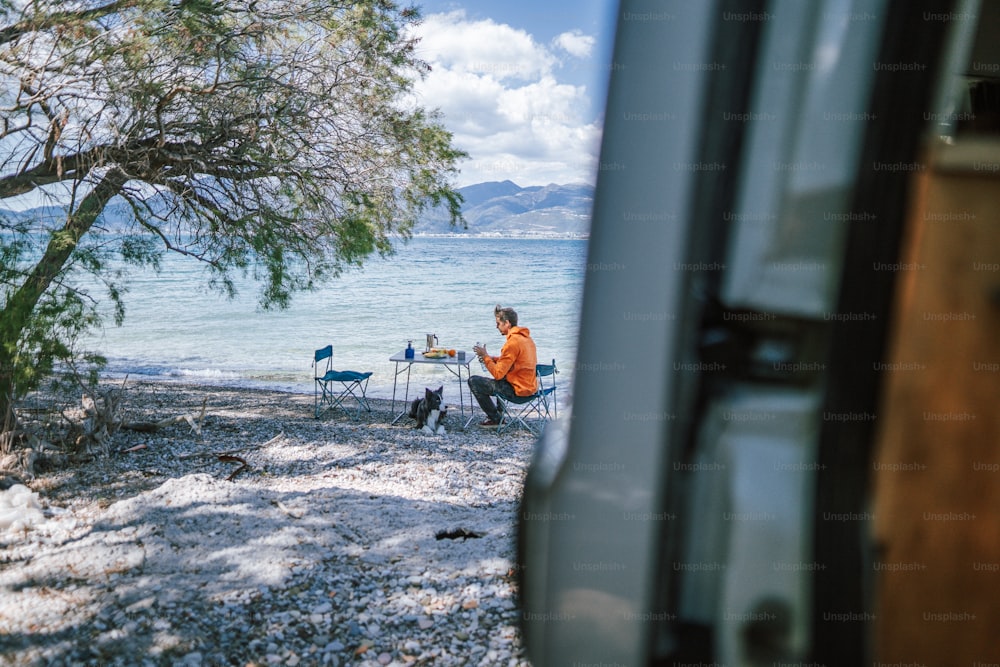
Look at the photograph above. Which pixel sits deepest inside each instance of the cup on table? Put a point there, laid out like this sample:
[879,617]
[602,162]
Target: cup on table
[461,355]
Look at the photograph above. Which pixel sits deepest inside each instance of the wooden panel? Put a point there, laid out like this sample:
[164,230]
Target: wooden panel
[936,468]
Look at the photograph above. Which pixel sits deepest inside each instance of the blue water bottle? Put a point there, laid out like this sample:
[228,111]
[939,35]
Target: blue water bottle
[409,349]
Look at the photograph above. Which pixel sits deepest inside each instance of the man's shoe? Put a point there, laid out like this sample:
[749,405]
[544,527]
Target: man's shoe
[488,423]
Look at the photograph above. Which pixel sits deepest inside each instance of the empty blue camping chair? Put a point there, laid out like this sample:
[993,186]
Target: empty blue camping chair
[334,387]
[541,404]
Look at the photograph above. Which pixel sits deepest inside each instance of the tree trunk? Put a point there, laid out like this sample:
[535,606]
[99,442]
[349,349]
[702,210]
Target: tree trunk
[18,310]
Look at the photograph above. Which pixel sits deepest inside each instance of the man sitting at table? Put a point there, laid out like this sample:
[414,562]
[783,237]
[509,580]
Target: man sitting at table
[513,371]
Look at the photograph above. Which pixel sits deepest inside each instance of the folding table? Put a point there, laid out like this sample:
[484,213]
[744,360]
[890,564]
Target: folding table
[454,366]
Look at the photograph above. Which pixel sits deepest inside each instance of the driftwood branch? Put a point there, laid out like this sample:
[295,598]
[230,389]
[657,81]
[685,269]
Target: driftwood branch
[194,419]
[19,463]
[100,418]
[229,458]
[294,513]
[229,452]
[9,438]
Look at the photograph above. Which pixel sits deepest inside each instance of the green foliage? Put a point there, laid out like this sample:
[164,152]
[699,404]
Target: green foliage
[64,314]
[272,138]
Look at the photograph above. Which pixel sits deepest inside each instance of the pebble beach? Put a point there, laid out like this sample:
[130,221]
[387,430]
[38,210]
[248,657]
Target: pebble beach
[266,536]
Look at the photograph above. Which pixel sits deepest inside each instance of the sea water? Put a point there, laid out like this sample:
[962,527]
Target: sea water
[177,330]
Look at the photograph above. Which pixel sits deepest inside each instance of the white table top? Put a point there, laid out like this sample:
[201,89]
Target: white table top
[418,358]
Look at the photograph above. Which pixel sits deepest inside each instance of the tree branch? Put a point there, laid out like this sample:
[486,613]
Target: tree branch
[57,19]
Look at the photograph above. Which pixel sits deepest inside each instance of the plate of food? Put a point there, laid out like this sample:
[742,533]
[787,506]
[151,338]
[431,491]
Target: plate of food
[438,353]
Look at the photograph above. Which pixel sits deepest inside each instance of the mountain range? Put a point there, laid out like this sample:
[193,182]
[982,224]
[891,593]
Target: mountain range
[497,208]
[503,208]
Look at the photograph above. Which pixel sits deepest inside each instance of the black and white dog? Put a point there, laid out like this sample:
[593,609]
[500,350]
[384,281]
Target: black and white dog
[430,412]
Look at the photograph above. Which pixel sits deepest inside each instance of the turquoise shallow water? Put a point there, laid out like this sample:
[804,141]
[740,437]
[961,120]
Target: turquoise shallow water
[176,330]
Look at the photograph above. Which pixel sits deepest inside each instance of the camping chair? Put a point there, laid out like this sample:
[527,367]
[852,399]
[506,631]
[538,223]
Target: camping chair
[352,384]
[542,404]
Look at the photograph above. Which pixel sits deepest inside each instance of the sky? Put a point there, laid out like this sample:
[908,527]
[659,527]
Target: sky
[520,84]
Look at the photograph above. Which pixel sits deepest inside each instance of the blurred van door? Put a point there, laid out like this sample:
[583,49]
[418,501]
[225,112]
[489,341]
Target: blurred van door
[708,500]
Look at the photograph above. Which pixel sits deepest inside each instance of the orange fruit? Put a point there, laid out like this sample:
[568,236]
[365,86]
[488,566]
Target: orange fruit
[451,353]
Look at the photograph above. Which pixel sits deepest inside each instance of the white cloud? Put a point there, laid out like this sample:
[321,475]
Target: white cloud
[575,43]
[482,47]
[499,91]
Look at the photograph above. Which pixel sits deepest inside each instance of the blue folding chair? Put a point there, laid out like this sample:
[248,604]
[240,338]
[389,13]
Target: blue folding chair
[541,404]
[334,387]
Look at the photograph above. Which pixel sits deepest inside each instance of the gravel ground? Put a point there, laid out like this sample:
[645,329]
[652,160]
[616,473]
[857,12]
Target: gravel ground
[325,550]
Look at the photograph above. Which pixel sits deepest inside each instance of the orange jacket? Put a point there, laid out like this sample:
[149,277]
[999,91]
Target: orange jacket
[516,362]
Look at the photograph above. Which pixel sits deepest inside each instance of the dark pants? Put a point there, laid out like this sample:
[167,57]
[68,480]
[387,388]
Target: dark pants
[483,388]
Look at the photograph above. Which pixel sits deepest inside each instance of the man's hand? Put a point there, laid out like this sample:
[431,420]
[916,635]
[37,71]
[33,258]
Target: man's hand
[480,351]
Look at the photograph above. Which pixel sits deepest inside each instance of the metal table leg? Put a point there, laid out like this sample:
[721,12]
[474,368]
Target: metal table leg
[406,396]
